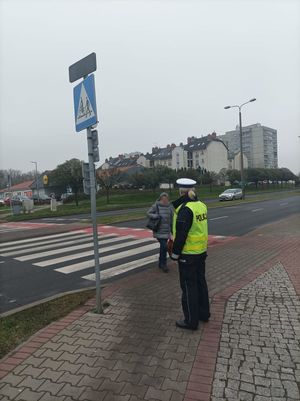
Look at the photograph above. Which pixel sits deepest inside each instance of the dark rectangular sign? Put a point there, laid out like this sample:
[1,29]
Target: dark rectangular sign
[83,67]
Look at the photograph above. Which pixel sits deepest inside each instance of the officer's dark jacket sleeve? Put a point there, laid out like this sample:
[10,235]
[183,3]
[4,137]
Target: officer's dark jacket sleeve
[183,224]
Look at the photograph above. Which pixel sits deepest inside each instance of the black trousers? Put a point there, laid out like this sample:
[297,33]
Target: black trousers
[195,302]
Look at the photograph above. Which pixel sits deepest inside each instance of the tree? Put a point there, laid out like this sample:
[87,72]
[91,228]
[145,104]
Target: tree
[223,175]
[107,179]
[191,173]
[68,174]
[152,177]
[233,176]
[166,175]
[255,175]
[14,177]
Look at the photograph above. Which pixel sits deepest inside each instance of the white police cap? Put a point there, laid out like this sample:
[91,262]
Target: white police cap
[186,183]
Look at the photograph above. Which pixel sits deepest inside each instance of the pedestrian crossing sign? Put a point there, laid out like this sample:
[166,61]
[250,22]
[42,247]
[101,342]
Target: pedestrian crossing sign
[85,104]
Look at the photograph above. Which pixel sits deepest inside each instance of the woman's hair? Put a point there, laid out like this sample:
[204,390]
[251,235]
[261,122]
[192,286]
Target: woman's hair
[162,195]
[189,191]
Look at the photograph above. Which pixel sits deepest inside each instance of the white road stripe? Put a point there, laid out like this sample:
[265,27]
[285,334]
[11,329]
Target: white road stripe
[8,230]
[58,247]
[57,251]
[257,210]
[283,204]
[105,259]
[89,253]
[52,243]
[125,267]
[4,244]
[217,218]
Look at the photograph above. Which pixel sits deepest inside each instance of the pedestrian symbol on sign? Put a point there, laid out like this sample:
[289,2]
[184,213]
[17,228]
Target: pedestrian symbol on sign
[85,104]
[85,110]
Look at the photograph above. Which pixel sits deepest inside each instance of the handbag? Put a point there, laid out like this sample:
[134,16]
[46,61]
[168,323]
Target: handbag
[153,224]
[170,244]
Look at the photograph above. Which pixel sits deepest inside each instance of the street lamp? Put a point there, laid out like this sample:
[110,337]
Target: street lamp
[241,140]
[36,182]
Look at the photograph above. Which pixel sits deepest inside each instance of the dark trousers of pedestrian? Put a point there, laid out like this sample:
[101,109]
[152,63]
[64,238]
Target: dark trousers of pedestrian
[195,301]
[162,252]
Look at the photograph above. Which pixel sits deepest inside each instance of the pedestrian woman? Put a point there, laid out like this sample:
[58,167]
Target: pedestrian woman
[162,211]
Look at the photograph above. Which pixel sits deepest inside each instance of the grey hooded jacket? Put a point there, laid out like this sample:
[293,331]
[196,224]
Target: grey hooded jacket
[166,213]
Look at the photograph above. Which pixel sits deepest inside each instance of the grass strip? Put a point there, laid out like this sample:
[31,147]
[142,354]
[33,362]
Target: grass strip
[121,218]
[18,327]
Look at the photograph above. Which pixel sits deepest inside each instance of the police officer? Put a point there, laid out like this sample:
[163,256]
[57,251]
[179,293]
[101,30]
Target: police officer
[189,249]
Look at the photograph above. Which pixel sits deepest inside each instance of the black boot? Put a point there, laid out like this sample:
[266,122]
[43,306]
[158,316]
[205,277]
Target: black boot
[204,319]
[183,325]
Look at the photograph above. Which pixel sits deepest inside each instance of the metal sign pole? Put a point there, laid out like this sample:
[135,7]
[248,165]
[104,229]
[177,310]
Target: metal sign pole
[85,109]
[10,194]
[94,218]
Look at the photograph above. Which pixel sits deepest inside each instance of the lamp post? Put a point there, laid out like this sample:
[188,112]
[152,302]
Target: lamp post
[36,182]
[299,149]
[241,140]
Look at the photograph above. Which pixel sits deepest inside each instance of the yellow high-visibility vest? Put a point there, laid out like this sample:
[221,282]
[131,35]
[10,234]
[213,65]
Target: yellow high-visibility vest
[197,239]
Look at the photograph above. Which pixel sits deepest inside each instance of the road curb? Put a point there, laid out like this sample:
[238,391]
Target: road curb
[45,300]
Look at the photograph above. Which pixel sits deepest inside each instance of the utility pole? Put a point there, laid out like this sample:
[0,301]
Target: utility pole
[10,192]
[241,142]
[241,154]
[37,182]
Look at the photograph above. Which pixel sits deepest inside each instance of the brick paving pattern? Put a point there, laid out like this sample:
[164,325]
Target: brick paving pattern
[134,352]
[259,354]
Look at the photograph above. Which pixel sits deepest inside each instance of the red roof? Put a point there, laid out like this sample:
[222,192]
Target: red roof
[22,186]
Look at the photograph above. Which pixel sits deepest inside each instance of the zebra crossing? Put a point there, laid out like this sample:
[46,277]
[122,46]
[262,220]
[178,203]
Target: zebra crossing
[72,253]
[21,226]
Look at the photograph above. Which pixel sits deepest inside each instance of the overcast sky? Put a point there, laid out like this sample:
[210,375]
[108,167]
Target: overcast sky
[166,69]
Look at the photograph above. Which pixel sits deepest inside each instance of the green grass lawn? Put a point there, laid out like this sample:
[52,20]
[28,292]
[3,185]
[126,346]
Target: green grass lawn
[133,199]
[17,328]
[4,210]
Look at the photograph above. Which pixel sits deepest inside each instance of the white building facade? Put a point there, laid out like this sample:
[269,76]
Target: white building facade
[259,145]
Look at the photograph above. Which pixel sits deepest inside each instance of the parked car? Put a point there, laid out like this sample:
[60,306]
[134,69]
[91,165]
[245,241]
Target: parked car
[231,194]
[7,201]
[16,200]
[67,197]
[41,200]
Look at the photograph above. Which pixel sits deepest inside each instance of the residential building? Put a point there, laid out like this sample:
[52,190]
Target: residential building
[122,162]
[259,145]
[235,161]
[122,167]
[208,152]
[22,189]
[162,156]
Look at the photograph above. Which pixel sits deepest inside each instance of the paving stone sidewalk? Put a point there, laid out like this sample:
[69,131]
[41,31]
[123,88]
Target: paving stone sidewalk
[248,351]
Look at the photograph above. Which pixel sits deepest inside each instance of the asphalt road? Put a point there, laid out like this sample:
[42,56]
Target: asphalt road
[86,216]
[243,218]
[37,268]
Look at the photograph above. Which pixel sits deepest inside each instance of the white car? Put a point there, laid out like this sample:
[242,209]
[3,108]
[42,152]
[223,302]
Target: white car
[231,194]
